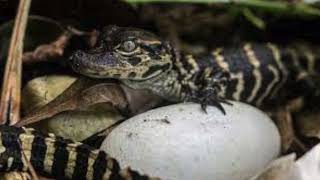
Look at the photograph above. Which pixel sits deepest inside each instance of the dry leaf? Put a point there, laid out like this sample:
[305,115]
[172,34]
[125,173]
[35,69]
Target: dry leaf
[309,124]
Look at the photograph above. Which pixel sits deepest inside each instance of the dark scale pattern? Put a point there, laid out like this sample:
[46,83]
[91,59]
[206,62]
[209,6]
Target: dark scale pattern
[10,140]
[83,153]
[185,63]
[266,57]
[100,166]
[231,88]
[206,61]
[155,68]
[184,66]
[115,169]
[153,51]
[238,62]
[297,87]
[303,60]
[61,155]
[134,61]
[281,74]
[38,153]
[12,147]
[287,57]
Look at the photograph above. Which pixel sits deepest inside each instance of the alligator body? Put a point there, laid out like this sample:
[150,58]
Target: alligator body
[56,157]
[259,74]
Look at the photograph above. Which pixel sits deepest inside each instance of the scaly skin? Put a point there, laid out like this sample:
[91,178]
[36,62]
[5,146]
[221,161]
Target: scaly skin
[57,157]
[258,74]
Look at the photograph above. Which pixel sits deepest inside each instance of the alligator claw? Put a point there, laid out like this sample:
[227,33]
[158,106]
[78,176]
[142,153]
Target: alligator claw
[204,107]
[209,97]
[216,103]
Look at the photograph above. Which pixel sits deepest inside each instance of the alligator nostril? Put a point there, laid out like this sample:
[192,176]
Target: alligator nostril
[79,54]
[76,56]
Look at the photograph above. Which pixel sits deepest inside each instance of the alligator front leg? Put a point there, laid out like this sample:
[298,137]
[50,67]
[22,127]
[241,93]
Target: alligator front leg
[212,84]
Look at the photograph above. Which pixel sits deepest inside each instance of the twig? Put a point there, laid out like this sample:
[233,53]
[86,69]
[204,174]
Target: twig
[55,49]
[47,51]
[30,167]
[255,20]
[11,89]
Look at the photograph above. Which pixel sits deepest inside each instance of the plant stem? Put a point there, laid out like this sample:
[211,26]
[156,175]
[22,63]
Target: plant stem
[272,6]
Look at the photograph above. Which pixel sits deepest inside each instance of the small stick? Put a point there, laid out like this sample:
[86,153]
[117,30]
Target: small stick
[30,167]
[55,49]
[11,89]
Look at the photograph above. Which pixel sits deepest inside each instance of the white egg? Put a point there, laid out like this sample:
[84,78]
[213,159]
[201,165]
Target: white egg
[183,142]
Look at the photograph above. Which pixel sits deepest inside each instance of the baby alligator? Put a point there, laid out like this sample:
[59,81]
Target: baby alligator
[54,156]
[258,74]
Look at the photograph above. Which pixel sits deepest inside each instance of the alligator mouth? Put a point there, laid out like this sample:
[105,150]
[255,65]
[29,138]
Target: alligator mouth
[101,65]
[82,61]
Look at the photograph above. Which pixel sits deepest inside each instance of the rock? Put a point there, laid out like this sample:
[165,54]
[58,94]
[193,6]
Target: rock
[40,91]
[182,142]
[79,125]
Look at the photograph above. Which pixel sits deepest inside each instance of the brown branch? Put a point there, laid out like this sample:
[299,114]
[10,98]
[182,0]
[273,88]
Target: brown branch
[30,167]
[56,48]
[11,92]
[47,51]
[11,89]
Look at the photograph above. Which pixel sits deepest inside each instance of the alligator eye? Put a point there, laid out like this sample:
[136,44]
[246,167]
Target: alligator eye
[129,46]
